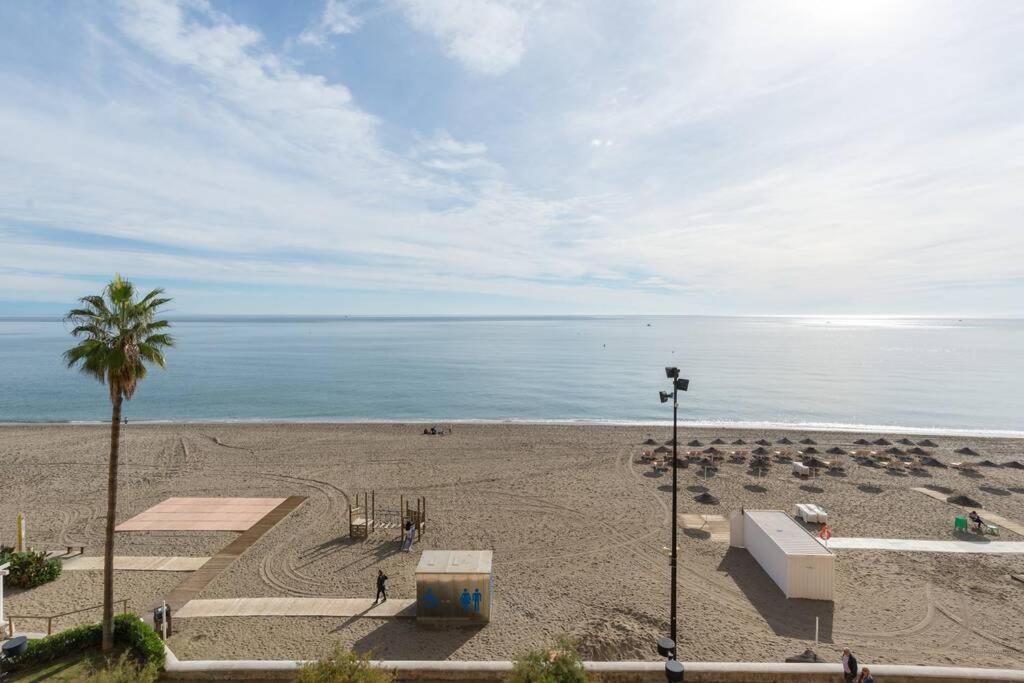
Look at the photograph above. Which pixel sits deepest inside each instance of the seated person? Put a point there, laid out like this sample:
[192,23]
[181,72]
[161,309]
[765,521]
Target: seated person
[975,520]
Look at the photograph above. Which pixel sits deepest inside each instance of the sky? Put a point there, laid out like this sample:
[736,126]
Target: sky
[515,157]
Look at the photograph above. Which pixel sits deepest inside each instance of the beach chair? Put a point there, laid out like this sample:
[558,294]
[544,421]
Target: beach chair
[820,516]
[990,529]
[960,524]
[806,512]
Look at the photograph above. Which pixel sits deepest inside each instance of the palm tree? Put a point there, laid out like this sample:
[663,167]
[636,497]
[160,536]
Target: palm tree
[119,337]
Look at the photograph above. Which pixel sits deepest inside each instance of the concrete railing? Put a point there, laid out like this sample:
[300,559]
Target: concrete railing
[624,672]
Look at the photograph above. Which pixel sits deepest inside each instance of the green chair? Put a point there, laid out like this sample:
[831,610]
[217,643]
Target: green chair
[960,524]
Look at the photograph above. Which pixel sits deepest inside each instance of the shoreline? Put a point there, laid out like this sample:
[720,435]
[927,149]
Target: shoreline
[816,427]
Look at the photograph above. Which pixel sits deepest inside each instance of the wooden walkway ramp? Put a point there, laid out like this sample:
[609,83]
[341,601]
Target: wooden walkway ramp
[136,563]
[716,526]
[191,587]
[987,515]
[297,607]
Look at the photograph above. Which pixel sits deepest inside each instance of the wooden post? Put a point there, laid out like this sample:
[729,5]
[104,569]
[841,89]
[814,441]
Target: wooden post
[373,510]
[20,542]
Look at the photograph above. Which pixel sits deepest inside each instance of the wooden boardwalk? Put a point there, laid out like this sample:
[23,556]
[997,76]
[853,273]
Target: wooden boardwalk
[716,526]
[191,587]
[136,563]
[979,546]
[987,515]
[297,607]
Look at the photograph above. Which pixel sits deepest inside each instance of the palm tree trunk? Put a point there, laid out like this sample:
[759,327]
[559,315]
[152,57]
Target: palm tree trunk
[108,549]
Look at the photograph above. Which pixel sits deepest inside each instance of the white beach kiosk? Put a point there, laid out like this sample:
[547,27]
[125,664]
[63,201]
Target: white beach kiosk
[798,563]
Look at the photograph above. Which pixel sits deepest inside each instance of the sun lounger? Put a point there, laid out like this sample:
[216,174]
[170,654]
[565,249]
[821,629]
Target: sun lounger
[819,513]
[800,469]
[806,512]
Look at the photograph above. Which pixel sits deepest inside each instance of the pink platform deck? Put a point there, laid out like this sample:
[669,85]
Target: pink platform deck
[201,514]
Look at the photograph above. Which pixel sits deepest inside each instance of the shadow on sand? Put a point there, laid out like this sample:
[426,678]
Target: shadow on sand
[407,639]
[995,491]
[790,618]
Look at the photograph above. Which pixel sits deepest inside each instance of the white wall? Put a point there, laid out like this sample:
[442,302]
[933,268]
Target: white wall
[767,553]
[811,577]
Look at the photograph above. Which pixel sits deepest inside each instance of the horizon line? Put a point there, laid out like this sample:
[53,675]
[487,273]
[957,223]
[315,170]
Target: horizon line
[298,316]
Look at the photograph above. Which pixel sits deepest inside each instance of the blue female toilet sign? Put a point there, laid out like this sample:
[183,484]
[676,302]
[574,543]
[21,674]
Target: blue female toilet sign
[471,602]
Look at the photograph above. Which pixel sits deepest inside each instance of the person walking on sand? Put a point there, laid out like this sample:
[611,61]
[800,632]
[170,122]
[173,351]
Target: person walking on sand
[410,532]
[865,676]
[382,587]
[849,666]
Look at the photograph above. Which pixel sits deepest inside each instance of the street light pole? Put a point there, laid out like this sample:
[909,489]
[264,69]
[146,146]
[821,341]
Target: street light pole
[667,646]
[675,503]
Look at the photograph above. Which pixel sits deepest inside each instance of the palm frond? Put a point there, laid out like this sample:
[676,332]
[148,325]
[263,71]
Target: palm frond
[119,336]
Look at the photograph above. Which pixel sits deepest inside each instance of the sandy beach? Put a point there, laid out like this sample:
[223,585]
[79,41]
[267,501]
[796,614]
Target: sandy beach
[579,530]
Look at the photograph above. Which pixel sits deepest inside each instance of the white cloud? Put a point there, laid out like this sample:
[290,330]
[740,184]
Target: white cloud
[337,19]
[654,157]
[486,36]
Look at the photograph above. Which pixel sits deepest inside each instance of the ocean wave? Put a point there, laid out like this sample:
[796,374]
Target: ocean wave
[768,426]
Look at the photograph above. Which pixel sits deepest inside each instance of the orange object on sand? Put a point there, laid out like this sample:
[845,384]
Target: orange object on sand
[825,534]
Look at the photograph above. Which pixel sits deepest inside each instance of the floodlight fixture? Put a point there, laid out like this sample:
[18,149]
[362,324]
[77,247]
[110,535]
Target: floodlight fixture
[664,396]
[672,373]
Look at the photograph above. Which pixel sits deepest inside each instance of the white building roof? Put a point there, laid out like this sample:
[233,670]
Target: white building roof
[455,562]
[792,538]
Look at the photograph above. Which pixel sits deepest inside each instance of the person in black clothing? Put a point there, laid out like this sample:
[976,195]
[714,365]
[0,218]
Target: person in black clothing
[382,587]
[976,520]
[849,666]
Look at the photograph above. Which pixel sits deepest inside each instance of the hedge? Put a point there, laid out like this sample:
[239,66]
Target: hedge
[29,569]
[130,632]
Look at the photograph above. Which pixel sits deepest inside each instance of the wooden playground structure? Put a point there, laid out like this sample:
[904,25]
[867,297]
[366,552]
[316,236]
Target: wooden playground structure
[364,518]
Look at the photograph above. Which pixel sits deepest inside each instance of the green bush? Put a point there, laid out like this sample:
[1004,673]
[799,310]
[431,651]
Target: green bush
[560,664]
[140,639]
[129,632]
[343,667]
[29,569]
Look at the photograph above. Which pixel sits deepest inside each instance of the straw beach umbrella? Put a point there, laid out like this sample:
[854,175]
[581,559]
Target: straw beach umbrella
[662,449]
[650,442]
[928,443]
[739,442]
[718,442]
[836,450]
[967,451]
[882,442]
[862,442]
[785,441]
[695,444]
[763,442]
[905,441]
[808,441]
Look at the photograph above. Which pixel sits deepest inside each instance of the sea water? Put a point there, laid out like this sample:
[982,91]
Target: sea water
[923,374]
